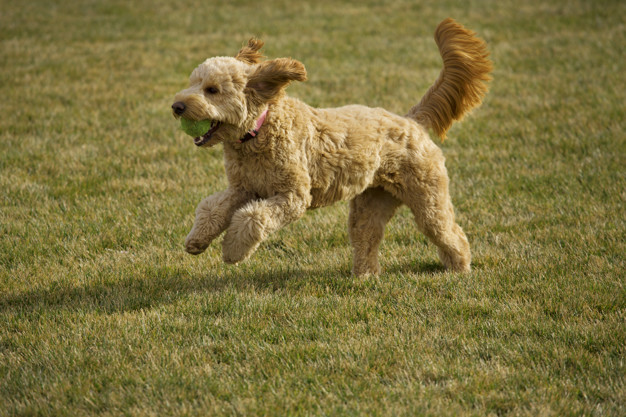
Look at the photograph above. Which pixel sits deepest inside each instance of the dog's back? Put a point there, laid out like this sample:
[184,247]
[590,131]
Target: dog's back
[352,146]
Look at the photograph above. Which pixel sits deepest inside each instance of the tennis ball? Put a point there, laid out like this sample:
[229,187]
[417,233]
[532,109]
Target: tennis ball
[195,128]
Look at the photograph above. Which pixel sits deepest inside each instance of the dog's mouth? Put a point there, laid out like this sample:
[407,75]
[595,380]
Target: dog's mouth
[202,140]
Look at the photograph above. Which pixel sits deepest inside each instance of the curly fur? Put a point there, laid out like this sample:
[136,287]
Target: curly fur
[304,157]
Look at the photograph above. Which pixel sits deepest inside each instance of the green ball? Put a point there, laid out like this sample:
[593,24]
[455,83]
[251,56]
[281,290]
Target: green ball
[195,128]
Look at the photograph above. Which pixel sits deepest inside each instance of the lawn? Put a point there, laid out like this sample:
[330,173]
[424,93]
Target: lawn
[103,313]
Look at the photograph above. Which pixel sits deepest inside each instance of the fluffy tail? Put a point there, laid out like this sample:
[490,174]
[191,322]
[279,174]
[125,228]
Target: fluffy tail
[461,85]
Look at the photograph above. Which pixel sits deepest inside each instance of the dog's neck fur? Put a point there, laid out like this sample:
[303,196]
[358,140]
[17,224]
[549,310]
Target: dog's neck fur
[253,132]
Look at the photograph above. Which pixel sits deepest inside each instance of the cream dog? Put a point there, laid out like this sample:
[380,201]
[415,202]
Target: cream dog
[283,157]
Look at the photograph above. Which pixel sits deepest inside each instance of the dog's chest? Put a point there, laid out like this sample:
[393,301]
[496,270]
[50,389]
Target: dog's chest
[254,173]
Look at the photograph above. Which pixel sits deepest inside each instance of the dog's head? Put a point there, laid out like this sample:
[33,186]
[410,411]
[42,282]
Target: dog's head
[233,92]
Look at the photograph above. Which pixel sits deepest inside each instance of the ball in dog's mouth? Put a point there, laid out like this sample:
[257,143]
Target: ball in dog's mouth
[201,140]
[200,130]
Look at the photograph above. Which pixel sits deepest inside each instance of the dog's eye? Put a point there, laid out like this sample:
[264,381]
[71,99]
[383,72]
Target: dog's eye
[211,90]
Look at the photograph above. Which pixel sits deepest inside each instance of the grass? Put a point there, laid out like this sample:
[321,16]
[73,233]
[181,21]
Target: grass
[102,312]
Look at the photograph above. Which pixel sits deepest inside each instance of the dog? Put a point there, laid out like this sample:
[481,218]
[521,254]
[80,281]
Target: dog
[283,157]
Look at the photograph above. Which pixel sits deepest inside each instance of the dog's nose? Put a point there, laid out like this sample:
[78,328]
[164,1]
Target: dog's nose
[179,107]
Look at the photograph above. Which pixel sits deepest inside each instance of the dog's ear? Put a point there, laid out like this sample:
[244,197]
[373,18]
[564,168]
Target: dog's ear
[272,76]
[250,53]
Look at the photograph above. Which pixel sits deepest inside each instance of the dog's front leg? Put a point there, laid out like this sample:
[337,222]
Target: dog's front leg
[213,215]
[253,222]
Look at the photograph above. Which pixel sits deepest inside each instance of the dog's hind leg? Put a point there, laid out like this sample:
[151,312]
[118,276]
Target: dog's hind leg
[426,193]
[452,244]
[213,215]
[253,222]
[369,213]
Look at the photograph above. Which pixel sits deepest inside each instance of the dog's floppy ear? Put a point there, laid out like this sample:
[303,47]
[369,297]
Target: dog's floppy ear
[250,53]
[272,76]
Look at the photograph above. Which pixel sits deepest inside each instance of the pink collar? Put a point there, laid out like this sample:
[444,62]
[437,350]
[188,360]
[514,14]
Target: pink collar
[252,133]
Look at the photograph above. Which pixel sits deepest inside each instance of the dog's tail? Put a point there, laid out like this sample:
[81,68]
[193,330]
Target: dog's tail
[461,85]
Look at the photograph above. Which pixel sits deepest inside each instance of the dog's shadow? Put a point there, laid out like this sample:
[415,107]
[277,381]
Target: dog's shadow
[168,284]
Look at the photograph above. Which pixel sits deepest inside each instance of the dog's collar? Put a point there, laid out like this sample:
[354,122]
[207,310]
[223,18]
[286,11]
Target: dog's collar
[252,133]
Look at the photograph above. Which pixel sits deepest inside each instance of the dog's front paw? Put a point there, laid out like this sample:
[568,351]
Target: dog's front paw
[244,235]
[195,246]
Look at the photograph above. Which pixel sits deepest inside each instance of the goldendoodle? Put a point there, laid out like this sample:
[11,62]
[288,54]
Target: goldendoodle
[283,157]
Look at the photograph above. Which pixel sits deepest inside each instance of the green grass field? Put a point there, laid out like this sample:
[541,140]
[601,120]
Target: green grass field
[103,313]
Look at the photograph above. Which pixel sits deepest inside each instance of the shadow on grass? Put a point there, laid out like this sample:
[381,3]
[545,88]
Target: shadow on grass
[427,268]
[166,284]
